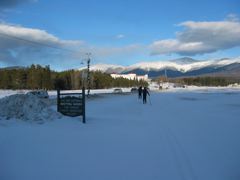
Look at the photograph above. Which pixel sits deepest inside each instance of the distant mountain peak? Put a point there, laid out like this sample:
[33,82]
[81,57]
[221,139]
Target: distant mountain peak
[183,65]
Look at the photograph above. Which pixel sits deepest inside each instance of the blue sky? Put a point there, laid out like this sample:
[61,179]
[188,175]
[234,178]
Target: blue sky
[118,32]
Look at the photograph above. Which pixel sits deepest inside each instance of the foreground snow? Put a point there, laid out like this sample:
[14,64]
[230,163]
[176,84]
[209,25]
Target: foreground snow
[179,136]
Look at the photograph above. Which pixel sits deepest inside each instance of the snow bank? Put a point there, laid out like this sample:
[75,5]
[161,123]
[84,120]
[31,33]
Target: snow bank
[27,107]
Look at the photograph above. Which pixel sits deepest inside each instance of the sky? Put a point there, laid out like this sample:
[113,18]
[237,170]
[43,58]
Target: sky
[59,33]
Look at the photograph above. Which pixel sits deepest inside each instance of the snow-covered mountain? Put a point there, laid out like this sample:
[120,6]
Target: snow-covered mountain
[177,67]
[108,68]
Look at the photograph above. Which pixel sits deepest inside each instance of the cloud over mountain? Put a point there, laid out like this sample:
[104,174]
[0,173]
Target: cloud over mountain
[200,38]
[24,46]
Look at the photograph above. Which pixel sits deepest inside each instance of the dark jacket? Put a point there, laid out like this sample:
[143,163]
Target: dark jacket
[140,90]
[145,92]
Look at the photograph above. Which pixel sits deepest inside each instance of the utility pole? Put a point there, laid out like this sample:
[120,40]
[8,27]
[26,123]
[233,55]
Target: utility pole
[88,73]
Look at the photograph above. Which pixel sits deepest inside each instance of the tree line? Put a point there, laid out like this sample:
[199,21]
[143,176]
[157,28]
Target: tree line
[206,81]
[39,77]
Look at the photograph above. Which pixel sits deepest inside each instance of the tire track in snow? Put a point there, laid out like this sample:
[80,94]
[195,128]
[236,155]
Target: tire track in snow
[179,155]
[174,153]
[182,161]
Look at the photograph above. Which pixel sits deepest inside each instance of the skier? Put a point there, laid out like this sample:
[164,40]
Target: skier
[145,93]
[140,92]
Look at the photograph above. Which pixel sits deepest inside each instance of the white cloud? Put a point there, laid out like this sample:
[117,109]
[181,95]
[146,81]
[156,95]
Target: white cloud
[23,46]
[36,35]
[232,17]
[200,38]
[120,36]
[20,45]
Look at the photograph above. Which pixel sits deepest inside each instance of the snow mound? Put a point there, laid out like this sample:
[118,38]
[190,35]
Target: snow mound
[27,107]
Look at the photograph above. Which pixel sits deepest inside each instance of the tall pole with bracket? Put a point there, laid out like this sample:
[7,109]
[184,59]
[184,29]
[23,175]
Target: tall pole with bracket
[88,73]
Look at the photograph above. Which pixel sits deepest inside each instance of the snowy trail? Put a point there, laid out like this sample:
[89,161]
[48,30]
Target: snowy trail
[181,136]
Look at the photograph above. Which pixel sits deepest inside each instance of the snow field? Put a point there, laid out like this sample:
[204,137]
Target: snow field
[181,136]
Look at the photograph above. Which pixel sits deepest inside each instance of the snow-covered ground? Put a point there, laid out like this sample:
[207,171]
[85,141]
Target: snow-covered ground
[53,94]
[167,87]
[181,135]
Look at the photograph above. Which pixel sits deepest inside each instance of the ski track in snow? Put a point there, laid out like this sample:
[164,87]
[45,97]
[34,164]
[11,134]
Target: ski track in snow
[179,136]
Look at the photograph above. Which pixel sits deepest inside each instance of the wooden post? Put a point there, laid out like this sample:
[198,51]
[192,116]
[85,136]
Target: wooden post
[58,99]
[83,107]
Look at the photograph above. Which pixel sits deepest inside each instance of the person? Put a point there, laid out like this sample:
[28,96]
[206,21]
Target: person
[140,92]
[145,93]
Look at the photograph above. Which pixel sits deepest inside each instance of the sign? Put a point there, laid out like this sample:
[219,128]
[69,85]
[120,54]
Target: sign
[71,104]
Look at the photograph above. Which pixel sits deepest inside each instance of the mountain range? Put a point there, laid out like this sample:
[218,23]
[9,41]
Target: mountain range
[183,67]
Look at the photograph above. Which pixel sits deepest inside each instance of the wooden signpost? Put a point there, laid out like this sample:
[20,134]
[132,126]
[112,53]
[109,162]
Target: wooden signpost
[71,104]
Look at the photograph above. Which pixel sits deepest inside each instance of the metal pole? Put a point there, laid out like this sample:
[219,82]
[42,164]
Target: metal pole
[88,74]
[58,99]
[83,105]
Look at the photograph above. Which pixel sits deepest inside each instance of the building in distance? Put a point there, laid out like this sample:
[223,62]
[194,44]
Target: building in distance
[130,76]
